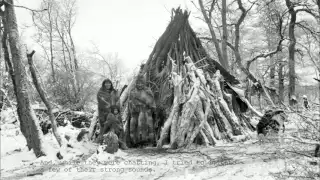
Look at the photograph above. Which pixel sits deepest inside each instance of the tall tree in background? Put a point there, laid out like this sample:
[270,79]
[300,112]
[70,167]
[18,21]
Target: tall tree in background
[54,35]
[44,23]
[269,18]
[292,72]
[318,4]
[294,8]
[281,77]
[271,41]
[64,22]
[28,121]
[224,34]
[215,40]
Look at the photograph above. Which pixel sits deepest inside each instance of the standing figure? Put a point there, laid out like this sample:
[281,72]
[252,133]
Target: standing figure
[294,101]
[305,102]
[107,96]
[141,105]
[115,110]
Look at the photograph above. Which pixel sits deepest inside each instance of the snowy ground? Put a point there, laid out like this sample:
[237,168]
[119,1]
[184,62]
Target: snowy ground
[242,160]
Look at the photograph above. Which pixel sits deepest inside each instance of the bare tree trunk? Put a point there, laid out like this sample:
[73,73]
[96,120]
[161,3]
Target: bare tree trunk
[281,82]
[213,35]
[73,49]
[272,73]
[318,4]
[238,56]
[44,98]
[1,74]
[319,98]
[76,66]
[51,44]
[259,101]
[271,64]
[28,121]
[224,34]
[292,73]
[72,67]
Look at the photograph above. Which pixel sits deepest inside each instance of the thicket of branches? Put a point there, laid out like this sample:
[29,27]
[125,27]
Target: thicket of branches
[261,45]
[69,77]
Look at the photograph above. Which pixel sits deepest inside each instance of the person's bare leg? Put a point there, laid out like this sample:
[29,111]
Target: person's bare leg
[150,127]
[133,128]
[143,128]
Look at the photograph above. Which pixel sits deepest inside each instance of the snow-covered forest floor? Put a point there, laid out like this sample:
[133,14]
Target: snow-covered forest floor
[238,160]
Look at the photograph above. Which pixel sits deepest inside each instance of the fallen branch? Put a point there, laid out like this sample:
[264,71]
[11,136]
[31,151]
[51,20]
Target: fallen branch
[302,141]
[44,98]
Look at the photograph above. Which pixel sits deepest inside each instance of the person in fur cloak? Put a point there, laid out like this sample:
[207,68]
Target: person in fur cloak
[107,97]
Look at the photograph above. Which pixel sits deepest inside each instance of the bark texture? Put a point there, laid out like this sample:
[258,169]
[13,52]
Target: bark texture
[28,121]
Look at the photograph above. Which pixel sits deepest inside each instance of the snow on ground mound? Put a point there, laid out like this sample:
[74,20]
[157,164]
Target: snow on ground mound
[14,152]
[85,160]
[7,116]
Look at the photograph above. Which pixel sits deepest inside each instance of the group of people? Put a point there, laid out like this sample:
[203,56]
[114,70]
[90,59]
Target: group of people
[109,112]
[141,106]
[305,101]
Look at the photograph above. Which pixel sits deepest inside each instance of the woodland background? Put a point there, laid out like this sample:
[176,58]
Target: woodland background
[60,61]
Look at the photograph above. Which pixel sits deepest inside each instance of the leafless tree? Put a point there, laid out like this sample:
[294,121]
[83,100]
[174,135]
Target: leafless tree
[222,54]
[28,121]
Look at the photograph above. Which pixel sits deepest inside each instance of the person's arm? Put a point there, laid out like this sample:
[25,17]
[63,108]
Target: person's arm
[102,102]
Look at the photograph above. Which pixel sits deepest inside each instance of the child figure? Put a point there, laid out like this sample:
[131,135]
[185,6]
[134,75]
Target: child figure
[115,110]
[114,122]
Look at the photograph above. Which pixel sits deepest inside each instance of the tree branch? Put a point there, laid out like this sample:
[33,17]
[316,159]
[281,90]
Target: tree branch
[237,52]
[211,9]
[219,40]
[278,48]
[305,28]
[237,26]
[214,37]
[44,98]
[3,2]
[309,11]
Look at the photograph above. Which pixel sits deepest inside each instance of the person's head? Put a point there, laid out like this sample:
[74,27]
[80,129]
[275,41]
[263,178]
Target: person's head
[115,110]
[293,98]
[304,97]
[107,84]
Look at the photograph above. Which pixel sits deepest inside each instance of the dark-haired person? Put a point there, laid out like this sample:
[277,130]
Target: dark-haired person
[107,97]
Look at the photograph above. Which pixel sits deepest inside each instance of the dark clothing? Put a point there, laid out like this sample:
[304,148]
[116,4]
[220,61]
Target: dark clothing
[106,98]
[266,122]
[141,105]
[263,123]
[306,104]
[112,124]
